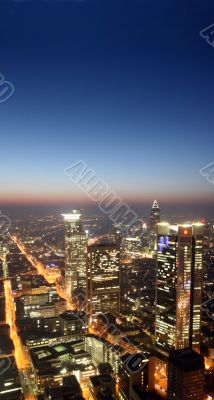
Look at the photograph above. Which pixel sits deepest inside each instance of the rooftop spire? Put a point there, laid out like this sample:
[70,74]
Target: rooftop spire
[155,204]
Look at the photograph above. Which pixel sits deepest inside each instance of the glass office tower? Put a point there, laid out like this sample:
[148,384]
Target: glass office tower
[103,279]
[75,253]
[179,285]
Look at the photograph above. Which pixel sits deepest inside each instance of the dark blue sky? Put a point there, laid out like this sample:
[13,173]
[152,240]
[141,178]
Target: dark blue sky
[127,86]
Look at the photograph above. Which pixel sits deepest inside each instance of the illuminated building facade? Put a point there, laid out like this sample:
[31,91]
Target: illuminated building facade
[73,324]
[154,219]
[179,285]
[158,375]
[138,291]
[132,247]
[132,372]
[75,253]
[185,375]
[103,279]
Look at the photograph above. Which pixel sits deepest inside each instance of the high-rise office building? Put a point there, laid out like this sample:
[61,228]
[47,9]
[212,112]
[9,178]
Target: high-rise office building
[131,247]
[132,373]
[138,291]
[75,253]
[185,375]
[154,219]
[179,285]
[103,279]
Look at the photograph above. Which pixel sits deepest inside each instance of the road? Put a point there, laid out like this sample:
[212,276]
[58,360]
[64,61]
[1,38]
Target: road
[61,292]
[22,361]
[52,279]
[34,262]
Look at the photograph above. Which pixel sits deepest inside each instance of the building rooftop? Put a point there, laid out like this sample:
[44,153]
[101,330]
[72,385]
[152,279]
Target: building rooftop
[186,359]
[38,335]
[6,344]
[47,360]
[47,353]
[99,380]
[142,394]
[134,362]
[113,347]
[10,387]
[70,390]
[73,316]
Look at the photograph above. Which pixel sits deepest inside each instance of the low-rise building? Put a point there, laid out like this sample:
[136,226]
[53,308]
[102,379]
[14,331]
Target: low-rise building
[50,364]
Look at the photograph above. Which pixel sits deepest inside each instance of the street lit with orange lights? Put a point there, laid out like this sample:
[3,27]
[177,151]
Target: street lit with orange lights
[128,347]
[20,356]
[35,263]
[50,278]
[23,363]
[22,360]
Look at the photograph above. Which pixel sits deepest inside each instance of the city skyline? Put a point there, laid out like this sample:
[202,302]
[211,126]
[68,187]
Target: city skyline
[125,88]
[106,200]
[140,305]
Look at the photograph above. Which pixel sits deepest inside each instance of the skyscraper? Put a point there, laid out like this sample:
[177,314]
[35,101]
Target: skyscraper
[103,279]
[178,286]
[154,219]
[185,375]
[75,253]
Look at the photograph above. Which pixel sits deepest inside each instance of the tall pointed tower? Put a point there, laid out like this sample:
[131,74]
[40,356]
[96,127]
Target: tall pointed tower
[154,219]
